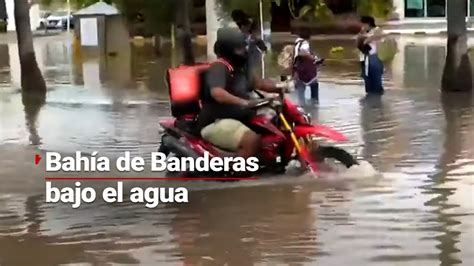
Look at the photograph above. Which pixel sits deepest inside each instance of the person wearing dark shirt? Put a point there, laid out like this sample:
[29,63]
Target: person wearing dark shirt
[249,28]
[226,97]
[255,45]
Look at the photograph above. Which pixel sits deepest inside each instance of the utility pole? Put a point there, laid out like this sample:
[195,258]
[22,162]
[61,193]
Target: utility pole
[68,15]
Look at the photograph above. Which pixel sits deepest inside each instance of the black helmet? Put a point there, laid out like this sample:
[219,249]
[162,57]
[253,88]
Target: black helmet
[228,40]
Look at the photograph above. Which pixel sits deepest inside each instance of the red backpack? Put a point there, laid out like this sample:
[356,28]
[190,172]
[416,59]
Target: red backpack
[184,87]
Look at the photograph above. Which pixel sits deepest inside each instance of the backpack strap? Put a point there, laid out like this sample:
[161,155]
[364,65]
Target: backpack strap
[296,50]
[297,47]
[227,64]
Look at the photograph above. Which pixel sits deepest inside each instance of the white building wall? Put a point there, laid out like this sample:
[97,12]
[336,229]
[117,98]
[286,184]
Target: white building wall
[213,23]
[399,6]
[11,14]
[34,15]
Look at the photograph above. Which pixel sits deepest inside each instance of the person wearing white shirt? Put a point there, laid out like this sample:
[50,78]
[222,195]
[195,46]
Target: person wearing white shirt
[372,68]
[306,63]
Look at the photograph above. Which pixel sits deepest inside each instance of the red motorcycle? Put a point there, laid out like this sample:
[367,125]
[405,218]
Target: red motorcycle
[287,136]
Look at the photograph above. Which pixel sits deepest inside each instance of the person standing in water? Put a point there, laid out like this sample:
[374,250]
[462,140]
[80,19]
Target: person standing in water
[372,68]
[255,46]
[249,28]
[306,64]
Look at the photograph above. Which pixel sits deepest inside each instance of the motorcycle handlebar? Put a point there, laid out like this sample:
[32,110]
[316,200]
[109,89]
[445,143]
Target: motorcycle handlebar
[260,103]
[272,102]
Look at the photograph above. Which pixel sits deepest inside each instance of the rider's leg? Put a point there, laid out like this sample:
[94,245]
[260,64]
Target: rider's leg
[233,136]
[249,144]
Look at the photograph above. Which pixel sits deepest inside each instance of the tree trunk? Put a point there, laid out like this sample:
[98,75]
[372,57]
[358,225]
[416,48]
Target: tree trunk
[457,74]
[184,35]
[31,77]
[33,102]
[3,10]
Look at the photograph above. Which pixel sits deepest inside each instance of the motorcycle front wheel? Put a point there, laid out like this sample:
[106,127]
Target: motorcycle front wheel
[338,154]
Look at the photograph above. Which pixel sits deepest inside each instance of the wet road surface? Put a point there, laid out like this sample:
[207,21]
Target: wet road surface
[419,211]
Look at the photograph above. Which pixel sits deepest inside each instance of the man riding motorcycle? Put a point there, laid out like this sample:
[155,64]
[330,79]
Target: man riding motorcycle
[228,94]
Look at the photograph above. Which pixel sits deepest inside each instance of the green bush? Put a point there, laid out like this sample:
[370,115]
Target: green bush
[3,26]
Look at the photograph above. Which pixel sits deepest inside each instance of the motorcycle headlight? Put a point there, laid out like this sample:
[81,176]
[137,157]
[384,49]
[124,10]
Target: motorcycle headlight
[306,116]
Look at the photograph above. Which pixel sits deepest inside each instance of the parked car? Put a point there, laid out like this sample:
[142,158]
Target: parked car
[58,20]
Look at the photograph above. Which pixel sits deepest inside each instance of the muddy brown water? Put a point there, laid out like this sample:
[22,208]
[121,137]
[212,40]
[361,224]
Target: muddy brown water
[418,211]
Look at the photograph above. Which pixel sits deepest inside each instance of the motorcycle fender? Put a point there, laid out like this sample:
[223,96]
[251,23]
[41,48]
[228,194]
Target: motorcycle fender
[167,122]
[168,127]
[263,122]
[320,131]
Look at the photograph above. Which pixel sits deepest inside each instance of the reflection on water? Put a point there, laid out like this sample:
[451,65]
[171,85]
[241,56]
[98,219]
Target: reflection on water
[420,211]
[425,67]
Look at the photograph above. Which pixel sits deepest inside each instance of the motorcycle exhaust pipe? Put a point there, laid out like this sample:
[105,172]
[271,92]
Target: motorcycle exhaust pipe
[177,147]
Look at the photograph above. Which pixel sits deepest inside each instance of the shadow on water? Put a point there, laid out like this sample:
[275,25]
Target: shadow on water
[458,110]
[4,65]
[372,115]
[33,102]
[379,132]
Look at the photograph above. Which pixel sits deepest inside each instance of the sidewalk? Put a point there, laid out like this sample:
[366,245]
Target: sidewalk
[11,35]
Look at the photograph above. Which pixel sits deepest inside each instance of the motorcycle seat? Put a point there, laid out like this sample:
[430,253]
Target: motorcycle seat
[223,151]
[187,125]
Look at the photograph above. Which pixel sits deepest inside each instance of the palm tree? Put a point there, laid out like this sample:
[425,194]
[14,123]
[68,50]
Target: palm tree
[457,74]
[31,77]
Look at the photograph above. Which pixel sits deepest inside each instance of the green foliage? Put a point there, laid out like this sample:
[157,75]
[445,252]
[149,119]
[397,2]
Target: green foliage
[318,10]
[3,25]
[313,10]
[250,7]
[305,10]
[337,53]
[375,8]
[159,15]
[75,3]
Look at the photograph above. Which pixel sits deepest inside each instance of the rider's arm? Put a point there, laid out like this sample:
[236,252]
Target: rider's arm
[270,86]
[222,96]
[217,80]
[266,85]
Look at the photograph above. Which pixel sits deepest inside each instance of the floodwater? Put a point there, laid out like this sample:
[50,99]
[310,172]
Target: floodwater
[418,211]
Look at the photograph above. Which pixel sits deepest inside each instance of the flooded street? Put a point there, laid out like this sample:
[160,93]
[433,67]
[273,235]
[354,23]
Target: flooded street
[419,211]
